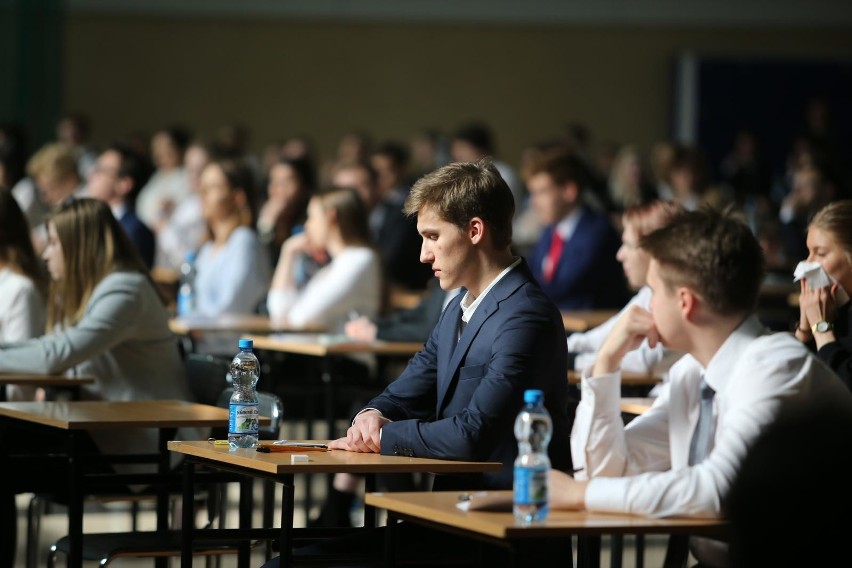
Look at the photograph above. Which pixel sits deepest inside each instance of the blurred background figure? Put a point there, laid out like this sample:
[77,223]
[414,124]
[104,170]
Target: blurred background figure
[811,191]
[687,177]
[168,185]
[186,228]
[75,130]
[12,155]
[429,151]
[23,284]
[628,183]
[116,179]
[353,147]
[292,182]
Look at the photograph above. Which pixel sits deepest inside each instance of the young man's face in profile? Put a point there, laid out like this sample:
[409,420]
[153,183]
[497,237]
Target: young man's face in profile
[445,247]
[665,307]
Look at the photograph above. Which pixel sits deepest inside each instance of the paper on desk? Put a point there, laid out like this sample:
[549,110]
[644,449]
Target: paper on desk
[485,501]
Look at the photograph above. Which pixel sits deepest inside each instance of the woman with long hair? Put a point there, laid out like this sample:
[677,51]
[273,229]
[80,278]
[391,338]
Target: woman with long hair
[106,319]
[351,282]
[825,318]
[23,283]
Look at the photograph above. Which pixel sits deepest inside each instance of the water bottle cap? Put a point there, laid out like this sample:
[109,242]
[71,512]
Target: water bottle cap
[190,256]
[533,396]
[246,344]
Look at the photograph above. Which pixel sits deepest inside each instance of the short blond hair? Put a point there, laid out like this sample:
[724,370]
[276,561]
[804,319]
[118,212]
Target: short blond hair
[54,160]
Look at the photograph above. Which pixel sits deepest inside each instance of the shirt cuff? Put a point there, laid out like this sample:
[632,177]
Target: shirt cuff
[363,410]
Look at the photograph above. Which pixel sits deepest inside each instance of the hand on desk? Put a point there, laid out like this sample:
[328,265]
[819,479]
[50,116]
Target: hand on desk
[361,329]
[364,435]
[566,492]
[633,327]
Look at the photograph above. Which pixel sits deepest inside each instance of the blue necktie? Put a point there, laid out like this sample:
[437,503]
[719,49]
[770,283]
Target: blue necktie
[702,436]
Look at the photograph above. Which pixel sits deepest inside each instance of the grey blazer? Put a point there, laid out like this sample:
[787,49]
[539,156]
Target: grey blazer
[123,339]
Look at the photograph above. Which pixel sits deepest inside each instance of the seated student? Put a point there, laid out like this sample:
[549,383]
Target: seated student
[352,281]
[118,175]
[292,181]
[574,259]
[680,457]
[825,318]
[638,221]
[232,269]
[23,284]
[107,320]
[459,396]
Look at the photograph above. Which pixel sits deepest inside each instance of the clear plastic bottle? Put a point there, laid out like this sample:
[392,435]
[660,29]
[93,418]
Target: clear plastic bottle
[533,429]
[186,291]
[243,417]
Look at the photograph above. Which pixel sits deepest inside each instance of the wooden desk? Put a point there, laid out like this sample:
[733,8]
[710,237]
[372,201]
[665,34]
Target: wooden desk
[627,379]
[77,417]
[324,345]
[438,510]
[34,380]
[636,405]
[278,467]
[188,325]
[584,320]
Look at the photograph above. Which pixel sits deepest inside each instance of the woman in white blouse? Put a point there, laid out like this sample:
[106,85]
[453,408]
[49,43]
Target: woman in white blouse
[23,284]
[637,221]
[350,283]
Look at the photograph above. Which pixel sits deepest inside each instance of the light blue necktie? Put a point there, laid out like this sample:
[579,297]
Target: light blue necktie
[699,447]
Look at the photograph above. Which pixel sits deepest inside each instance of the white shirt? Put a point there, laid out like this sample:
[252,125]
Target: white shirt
[642,468]
[352,281]
[185,231]
[152,204]
[469,307]
[644,359]
[22,314]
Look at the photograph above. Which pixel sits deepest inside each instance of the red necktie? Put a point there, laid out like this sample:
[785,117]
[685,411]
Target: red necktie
[556,243]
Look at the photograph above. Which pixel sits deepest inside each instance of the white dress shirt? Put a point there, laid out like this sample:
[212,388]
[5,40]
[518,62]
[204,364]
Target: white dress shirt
[642,468]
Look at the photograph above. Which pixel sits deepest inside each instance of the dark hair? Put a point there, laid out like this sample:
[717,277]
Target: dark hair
[713,252]
[16,246]
[562,166]
[239,177]
[478,135]
[396,151]
[351,214]
[133,165]
[304,170]
[463,190]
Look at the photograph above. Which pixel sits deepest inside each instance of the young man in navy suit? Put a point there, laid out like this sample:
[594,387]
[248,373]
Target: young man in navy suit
[574,259]
[459,396]
[118,176]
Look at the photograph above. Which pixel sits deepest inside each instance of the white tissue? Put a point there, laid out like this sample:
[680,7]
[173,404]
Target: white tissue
[814,272]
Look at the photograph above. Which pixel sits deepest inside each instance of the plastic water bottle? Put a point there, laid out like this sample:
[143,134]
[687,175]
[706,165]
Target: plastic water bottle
[533,428]
[243,417]
[186,291]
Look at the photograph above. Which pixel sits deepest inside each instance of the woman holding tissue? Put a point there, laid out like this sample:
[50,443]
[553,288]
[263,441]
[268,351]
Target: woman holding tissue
[824,315]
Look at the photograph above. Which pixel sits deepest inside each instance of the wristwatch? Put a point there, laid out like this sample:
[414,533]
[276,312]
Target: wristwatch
[822,326]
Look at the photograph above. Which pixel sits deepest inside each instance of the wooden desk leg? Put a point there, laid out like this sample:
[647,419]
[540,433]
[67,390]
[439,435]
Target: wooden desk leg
[288,506]
[390,541]
[616,550]
[187,525]
[163,466]
[75,504]
[640,551]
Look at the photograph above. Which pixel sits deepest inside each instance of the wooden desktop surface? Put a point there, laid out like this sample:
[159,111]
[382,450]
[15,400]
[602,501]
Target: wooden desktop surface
[440,507]
[187,325]
[636,405]
[101,414]
[37,380]
[584,320]
[332,461]
[627,378]
[323,345]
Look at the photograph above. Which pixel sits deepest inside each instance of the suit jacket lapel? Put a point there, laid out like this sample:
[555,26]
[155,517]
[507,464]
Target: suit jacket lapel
[455,352]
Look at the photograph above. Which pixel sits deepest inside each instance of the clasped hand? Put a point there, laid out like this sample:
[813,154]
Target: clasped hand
[364,435]
[634,326]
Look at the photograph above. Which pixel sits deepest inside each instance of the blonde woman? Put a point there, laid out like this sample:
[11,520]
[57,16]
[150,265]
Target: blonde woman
[107,320]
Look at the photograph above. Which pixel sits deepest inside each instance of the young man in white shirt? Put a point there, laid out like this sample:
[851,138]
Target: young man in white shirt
[705,273]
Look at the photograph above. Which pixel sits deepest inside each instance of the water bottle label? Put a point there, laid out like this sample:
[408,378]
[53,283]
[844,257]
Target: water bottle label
[243,419]
[185,304]
[530,486]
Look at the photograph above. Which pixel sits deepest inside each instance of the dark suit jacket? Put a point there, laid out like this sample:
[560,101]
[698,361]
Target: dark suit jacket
[587,276]
[140,235]
[459,401]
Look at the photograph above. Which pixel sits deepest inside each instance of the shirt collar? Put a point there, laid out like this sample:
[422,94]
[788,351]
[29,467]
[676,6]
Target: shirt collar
[723,364]
[468,306]
[568,224]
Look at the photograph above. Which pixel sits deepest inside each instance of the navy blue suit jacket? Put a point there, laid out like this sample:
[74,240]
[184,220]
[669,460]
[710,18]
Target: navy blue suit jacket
[140,235]
[459,400]
[587,275]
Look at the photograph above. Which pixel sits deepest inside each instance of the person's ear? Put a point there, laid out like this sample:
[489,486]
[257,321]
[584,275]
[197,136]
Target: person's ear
[476,230]
[687,302]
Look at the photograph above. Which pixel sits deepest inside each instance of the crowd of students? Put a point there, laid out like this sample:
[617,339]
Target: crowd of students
[311,245]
